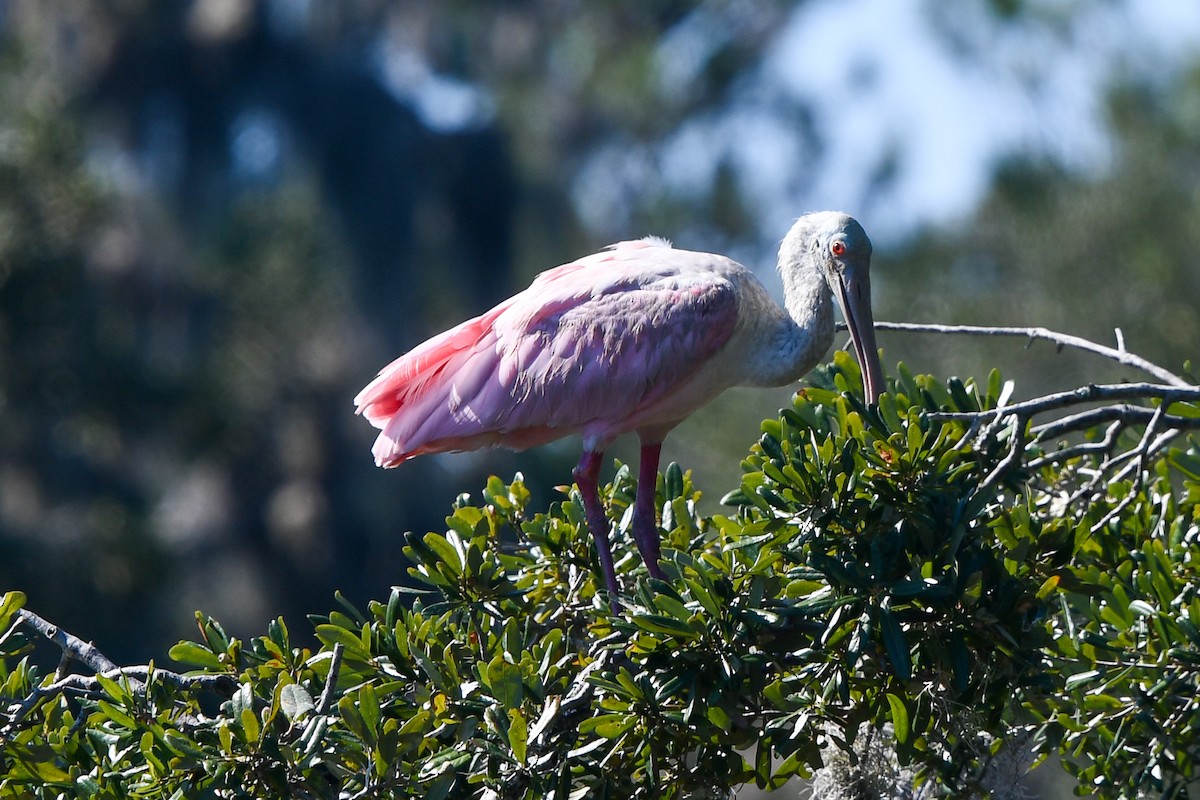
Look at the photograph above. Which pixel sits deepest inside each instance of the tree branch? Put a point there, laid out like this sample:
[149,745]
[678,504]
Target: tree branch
[90,685]
[1084,394]
[335,667]
[1124,413]
[80,650]
[1118,354]
[984,426]
[1103,447]
[75,649]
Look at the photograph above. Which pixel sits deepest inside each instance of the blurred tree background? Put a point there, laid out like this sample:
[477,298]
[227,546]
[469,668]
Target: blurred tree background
[219,218]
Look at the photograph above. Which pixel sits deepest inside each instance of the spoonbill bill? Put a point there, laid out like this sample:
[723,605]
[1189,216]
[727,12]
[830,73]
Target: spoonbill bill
[631,339]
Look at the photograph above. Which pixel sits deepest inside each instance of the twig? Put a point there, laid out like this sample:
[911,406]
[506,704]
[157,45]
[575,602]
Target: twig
[64,665]
[335,666]
[1104,446]
[983,426]
[1140,453]
[972,431]
[90,685]
[1084,394]
[1016,448]
[75,649]
[78,648]
[1143,446]
[1020,414]
[1119,354]
[1124,413]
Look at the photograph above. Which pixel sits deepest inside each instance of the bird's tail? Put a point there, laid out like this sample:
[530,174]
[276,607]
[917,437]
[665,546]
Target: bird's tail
[411,400]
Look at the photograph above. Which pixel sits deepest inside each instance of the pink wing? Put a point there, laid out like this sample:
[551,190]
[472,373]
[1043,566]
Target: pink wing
[589,347]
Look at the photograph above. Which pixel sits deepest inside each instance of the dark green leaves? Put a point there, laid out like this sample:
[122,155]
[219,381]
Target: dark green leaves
[867,576]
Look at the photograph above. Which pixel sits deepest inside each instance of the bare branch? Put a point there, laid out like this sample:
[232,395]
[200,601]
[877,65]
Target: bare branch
[1103,447]
[1118,354]
[1127,414]
[335,666]
[64,665]
[984,426]
[78,648]
[1158,444]
[1015,449]
[75,649]
[90,685]
[1084,394]
[1143,448]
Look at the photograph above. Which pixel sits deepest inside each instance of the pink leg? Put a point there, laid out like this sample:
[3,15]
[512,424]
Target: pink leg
[587,477]
[645,527]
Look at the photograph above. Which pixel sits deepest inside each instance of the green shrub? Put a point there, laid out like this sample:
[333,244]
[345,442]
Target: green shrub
[922,570]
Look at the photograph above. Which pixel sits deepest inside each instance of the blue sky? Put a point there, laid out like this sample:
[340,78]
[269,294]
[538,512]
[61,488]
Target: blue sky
[936,92]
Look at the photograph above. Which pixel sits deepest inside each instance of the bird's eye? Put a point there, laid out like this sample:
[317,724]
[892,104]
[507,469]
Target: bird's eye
[838,248]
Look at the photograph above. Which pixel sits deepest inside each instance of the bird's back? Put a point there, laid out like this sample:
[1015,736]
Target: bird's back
[599,346]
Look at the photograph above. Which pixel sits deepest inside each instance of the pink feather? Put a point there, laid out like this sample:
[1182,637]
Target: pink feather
[596,346]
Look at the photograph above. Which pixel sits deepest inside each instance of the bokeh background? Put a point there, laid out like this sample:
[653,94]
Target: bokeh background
[219,218]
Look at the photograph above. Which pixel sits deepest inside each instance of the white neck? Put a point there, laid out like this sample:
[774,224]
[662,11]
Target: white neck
[799,338]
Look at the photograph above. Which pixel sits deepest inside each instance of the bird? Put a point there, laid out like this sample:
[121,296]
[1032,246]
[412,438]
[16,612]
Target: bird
[631,339]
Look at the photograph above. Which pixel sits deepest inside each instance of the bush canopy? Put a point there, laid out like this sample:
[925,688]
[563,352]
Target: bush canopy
[943,573]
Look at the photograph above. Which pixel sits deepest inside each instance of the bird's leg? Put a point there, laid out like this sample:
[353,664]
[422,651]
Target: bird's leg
[587,477]
[645,526]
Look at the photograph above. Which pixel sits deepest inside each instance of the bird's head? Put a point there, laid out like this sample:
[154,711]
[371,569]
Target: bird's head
[836,246]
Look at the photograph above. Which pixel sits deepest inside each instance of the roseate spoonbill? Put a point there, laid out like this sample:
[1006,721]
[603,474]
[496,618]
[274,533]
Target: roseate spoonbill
[632,339]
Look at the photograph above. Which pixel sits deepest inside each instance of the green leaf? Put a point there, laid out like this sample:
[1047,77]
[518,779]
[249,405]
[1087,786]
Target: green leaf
[181,745]
[250,724]
[368,708]
[719,717]
[354,613]
[886,409]
[195,654]
[899,717]
[658,623]
[415,724]
[518,734]
[446,551]
[608,726]
[915,437]
[673,607]
[336,634]
[116,715]
[504,680]
[994,386]
[1187,462]
[352,717]
[9,604]
[1048,586]
[896,644]
[1081,678]
[673,481]
[295,701]
[962,399]
[50,773]
[114,689]
[792,765]
[440,788]
[908,382]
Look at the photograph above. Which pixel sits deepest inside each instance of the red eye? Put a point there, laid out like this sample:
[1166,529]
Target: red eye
[838,248]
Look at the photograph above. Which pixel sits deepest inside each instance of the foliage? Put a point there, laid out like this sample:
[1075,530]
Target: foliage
[876,572]
[218,219]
